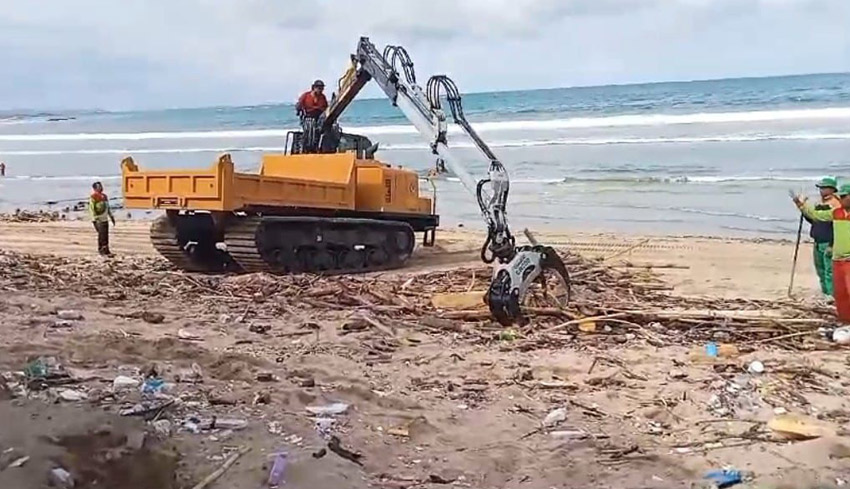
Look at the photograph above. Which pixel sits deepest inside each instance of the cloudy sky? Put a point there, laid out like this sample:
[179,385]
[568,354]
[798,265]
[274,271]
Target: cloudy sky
[130,54]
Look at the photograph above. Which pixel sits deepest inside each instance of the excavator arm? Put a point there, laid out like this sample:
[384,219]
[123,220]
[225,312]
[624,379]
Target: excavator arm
[515,268]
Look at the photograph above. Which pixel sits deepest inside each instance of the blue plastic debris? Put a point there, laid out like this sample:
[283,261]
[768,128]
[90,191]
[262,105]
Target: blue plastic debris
[711,349]
[725,478]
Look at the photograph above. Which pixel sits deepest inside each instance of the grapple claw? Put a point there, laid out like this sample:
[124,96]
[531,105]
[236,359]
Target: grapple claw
[511,281]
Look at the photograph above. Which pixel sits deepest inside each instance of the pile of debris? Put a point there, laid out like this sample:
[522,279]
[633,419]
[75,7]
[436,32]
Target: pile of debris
[605,301]
[32,216]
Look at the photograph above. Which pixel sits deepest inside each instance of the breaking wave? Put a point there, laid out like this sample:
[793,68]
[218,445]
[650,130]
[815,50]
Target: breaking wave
[829,113]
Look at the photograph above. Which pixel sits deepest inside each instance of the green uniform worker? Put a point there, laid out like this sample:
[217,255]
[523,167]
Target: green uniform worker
[840,219]
[101,214]
[821,233]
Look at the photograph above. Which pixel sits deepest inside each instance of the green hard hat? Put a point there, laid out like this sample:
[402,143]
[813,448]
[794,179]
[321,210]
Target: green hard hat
[844,189]
[828,182]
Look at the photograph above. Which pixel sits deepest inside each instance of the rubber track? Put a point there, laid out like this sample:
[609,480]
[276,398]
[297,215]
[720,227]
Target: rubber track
[241,242]
[164,239]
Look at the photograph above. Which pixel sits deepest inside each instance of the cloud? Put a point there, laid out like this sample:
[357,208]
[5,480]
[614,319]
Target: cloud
[158,53]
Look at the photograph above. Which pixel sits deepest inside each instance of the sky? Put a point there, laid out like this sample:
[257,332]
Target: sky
[147,54]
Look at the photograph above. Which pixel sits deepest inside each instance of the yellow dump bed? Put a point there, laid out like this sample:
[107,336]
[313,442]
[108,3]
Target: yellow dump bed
[337,181]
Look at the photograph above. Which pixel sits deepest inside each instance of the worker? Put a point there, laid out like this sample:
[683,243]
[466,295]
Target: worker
[821,233]
[2,169]
[101,214]
[311,104]
[840,219]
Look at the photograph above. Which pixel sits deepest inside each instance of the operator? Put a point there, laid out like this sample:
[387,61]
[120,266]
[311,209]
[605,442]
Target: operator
[311,104]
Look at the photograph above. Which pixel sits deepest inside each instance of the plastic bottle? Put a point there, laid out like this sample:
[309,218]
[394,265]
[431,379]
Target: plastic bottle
[278,470]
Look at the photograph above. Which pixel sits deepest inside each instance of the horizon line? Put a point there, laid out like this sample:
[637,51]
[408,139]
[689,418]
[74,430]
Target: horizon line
[48,111]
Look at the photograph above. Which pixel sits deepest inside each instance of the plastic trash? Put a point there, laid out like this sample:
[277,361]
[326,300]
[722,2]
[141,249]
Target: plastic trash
[69,315]
[841,335]
[328,410]
[61,478]
[725,478]
[557,416]
[711,349]
[324,426]
[278,470]
[756,367]
[153,385]
[162,427]
[72,395]
[123,382]
[231,423]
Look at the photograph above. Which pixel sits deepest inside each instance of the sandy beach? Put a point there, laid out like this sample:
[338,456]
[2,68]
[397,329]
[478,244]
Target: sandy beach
[431,398]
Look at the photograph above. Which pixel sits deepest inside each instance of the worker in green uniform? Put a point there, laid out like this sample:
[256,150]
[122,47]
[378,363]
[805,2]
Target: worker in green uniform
[821,233]
[840,219]
[101,214]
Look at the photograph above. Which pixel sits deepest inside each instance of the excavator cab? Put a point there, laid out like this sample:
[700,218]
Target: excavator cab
[336,141]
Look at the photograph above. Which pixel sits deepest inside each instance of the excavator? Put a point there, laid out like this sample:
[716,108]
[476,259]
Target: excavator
[327,205]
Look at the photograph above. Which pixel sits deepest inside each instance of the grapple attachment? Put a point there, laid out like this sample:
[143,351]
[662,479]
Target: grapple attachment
[534,269]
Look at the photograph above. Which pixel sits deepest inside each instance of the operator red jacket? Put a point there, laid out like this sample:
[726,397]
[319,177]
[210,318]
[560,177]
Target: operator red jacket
[312,105]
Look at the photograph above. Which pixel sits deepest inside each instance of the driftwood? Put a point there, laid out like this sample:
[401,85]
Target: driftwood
[616,298]
[221,470]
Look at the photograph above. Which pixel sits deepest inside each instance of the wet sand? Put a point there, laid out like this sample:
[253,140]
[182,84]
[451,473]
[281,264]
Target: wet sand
[445,405]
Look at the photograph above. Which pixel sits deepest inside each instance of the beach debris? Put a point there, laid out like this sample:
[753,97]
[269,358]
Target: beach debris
[841,335]
[214,476]
[186,335]
[333,409]
[799,427]
[122,382]
[728,477]
[678,374]
[569,435]
[61,478]
[153,385]
[266,377]
[509,334]
[234,424]
[194,375]
[555,417]
[755,367]
[72,395]
[324,426]
[459,300]
[18,462]
[152,317]
[277,470]
[335,445]
[587,326]
[439,479]
[259,328]
[62,324]
[69,315]
[147,409]
[262,397]
[21,215]
[163,427]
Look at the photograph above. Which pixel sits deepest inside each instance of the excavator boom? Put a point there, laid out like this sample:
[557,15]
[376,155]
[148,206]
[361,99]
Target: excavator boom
[516,268]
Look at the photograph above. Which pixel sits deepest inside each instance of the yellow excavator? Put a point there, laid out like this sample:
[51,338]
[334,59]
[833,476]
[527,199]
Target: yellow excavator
[327,205]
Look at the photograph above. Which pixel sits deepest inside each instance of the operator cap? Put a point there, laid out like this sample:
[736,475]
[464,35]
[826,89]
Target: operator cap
[844,190]
[319,83]
[828,182]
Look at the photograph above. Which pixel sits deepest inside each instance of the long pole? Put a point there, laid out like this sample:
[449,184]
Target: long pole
[796,252]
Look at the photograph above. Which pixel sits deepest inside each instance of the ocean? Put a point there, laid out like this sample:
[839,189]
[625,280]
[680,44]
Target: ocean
[702,157]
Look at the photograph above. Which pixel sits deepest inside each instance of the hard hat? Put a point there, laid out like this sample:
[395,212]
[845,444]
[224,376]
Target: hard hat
[828,182]
[319,83]
[844,190]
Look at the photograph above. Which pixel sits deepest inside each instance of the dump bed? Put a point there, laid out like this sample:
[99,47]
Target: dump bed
[336,181]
